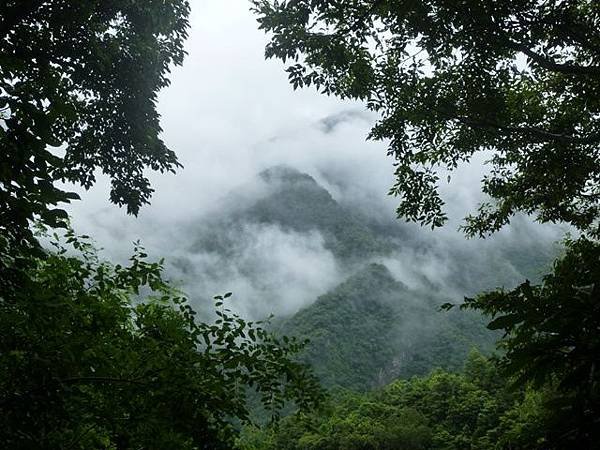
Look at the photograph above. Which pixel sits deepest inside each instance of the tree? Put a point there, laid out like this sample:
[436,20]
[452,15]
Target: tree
[519,81]
[94,355]
[78,91]
[442,411]
[551,338]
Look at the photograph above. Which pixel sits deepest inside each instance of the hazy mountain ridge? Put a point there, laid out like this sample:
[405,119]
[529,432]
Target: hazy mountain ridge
[371,329]
[291,204]
[297,202]
[366,292]
[294,202]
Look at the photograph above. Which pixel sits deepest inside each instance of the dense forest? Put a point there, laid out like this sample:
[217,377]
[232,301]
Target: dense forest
[387,336]
[471,409]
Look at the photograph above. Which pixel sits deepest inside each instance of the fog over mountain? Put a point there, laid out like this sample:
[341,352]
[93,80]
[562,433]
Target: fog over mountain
[281,239]
[222,226]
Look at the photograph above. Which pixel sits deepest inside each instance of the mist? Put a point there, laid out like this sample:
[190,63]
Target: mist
[227,128]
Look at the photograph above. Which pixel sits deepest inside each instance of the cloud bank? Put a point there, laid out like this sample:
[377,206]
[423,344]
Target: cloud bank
[230,114]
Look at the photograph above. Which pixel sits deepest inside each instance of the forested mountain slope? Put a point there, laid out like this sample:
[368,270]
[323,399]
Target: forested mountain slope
[295,202]
[364,291]
[371,329]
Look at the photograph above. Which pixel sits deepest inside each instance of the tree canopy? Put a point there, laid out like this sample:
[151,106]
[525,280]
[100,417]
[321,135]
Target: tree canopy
[519,81]
[96,355]
[551,337]
[449,411]
[78,92]
[516,81]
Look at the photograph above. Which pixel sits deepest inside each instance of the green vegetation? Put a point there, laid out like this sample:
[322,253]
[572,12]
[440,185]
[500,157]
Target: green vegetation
[99,355]
[372,329]
[94,355]
[442,411]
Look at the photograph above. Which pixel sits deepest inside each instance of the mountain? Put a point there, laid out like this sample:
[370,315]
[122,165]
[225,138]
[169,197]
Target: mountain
[372,329]
[299,203]
[364,289]
[294,201]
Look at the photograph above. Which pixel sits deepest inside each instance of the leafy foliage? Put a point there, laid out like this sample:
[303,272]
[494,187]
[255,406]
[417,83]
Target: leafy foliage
[551,337]
[442,411]
[78,92]
[94,355]
[519,80]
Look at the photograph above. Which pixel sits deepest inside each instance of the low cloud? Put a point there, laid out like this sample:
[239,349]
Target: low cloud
[230,114]
[270,271]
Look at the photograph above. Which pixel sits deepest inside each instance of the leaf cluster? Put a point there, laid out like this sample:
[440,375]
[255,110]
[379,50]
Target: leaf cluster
[95,355]
[78,93]
[516,81]
[551,336]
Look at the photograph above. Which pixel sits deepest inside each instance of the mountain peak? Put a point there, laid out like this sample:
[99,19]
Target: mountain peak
[373,276]
[286,174]
[298,202]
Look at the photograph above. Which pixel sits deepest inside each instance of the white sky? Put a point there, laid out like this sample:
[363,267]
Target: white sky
[229,114]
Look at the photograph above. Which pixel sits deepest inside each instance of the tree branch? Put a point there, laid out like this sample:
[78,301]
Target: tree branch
[552,65]
[100,380]
[540,133]
[535,131]
[361,20]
